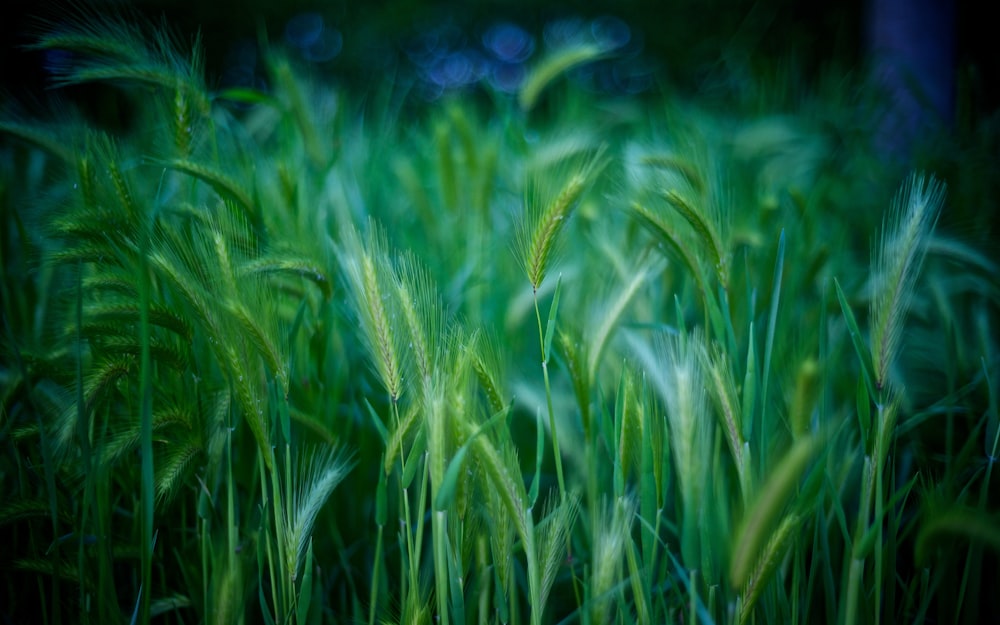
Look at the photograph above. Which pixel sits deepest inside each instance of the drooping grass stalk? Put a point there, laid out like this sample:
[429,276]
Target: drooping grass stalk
[676,245]
[706,231]
[551,67]
[729,411]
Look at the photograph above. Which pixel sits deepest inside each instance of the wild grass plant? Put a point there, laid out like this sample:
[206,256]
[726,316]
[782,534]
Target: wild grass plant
[300,356]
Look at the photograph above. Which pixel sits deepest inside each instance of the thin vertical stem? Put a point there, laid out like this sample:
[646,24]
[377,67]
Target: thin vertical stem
[548,401]
[146,427]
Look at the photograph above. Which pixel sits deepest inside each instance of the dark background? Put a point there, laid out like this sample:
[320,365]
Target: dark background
[684,39]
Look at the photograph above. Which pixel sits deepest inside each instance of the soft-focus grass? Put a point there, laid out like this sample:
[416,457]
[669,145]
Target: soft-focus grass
[297,356]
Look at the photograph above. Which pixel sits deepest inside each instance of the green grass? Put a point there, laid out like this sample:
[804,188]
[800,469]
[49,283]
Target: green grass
[324,357]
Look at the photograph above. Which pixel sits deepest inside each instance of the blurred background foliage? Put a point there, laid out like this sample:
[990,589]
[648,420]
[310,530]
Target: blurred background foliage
[766,55]
[688,43]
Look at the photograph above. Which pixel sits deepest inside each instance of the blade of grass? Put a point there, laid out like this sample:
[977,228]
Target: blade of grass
[148,492]
[772,320]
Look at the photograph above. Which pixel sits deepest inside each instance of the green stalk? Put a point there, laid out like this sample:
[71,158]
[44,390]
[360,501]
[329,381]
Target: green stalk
[779,265]
[82,430]
[856,567]
[534,581]
[380,518]
[267,541]
[879,503]
[146,426]
[439,528]
[283,502]
[545,342]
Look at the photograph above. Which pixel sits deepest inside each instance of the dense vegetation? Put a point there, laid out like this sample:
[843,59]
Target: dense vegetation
[300,355]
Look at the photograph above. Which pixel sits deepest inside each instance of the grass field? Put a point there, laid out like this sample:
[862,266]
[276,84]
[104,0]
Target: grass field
[309,355]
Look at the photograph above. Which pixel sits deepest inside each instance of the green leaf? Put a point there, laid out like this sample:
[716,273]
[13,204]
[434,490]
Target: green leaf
[377,422]
[619,419]
[245,95]
[772,322]
[864,356]
[864,546]
[265,610]
[749,388]
[306,588]
[413,458]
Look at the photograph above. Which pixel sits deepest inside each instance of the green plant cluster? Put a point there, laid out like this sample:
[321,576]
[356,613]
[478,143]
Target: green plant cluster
[305,356]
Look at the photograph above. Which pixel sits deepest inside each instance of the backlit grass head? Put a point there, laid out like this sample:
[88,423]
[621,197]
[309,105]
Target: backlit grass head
[897,261]
[553,192]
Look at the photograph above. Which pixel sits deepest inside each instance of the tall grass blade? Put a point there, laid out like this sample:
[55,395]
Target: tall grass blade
[772,322]
[864,355]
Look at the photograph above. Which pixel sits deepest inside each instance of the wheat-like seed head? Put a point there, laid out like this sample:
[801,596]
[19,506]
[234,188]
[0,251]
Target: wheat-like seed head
[107,46]
[547,216]
[896,263]
[681,385]
[767,564]
[501,474]
[421,311]
[370,279]
[611,533]
[723,391]
[703,225]
[502,536]
[318,471]
[764,518]
[548,226]
[484,358]
[552,538]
